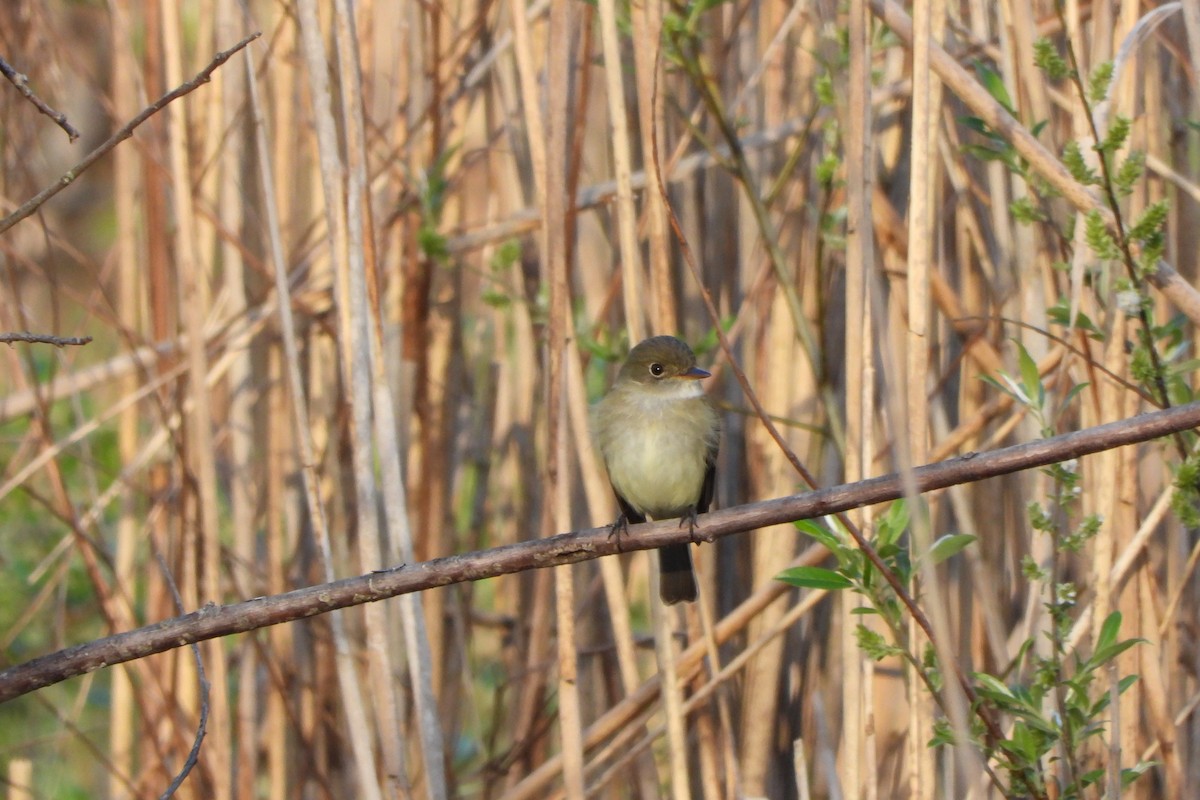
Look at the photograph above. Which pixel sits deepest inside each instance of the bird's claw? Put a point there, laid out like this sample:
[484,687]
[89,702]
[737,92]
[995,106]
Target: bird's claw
[694,532]
[617,529]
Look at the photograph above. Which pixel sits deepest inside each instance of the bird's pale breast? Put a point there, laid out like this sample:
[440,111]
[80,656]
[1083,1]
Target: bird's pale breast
[657,450]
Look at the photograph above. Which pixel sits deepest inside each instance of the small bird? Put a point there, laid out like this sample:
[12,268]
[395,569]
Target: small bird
[658,435]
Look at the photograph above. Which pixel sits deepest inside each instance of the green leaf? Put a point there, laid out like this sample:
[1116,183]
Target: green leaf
[994,85]
[1130,171]
[496,299]
[949,545]
[1109,631]
[709,342]
[1150,222]
[817,531]
[892,525]
[1098,238]
[1048,60]
[825,93]
[994,686]
[1073,392]
[1118,133]
[1131,774]
[1031,379]
[1075,163]
[979,126]
[1099,82]
[814,578]
[507,254]
[1026,211]
[874,645]
[432,243]
[990,154]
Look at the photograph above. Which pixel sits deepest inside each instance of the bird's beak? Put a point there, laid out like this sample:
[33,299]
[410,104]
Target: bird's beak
[695,374]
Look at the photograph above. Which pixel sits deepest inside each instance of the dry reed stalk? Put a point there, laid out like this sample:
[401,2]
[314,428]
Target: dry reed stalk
[556,238]
[122,731]
[357,718]
[646,43]
[368,394]
[633,278]
[857,716]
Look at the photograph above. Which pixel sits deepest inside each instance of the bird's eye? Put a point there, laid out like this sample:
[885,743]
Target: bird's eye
[657,370]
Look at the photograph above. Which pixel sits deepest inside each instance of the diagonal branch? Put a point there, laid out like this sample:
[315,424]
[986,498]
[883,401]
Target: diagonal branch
[214,621]
[22,83]
[34,203]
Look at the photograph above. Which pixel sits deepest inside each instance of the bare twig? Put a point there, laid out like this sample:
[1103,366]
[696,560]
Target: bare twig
[35,202]
[21,81]
[202,726]
[213,621]
[43,338]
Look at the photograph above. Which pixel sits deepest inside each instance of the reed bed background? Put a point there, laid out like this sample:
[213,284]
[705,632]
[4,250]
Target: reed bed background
[351,299]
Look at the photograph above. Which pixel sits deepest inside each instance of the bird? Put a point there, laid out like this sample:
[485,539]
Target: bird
[658,436]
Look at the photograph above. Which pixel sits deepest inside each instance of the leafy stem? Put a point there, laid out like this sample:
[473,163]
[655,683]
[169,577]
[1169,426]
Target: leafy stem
[1106,146]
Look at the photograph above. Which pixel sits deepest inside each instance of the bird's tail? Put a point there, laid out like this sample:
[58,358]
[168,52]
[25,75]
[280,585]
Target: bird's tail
[678,582]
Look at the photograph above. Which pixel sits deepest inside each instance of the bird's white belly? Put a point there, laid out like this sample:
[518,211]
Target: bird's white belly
[659,475]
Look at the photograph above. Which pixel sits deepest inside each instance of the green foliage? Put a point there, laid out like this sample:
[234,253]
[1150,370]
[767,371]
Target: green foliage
[1056,709]
[1072,157]
[1028,390]
[1046,58]
[995,148]
[994,84]
[1129,173]
[1143,368]
[433,185]
[506,255]
[874,645]
[1099,82]
[708,343]
[681,30]
[824,88]
[1186,500]
[1025,211]
[815,578]
[1098,238]
[1060,312]
[949,545]
[1117,135]
[827,170]
[854,569]
[1147,230]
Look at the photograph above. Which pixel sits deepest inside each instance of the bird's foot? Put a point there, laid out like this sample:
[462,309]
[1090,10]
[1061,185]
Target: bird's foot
[619,529]
[694,531]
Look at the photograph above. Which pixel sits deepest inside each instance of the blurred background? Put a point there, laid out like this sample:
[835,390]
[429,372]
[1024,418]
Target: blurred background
[461,202]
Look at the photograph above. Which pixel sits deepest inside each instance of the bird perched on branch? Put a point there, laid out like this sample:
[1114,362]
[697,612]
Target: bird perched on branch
[658,435]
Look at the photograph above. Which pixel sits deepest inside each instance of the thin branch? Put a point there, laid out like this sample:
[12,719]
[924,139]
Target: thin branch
[35,202]
[20,81]
[193,755]
[43,338]
[213,621]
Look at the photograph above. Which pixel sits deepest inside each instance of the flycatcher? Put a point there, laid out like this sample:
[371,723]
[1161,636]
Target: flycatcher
[658,436]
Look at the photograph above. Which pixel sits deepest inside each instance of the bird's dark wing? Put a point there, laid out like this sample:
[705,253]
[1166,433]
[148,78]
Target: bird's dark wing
[709,488]
[632,516]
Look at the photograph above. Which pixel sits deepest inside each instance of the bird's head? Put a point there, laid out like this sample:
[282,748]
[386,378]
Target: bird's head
[663,364]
